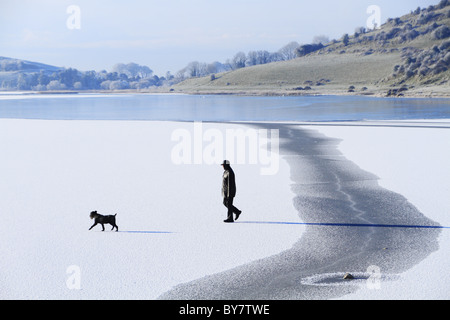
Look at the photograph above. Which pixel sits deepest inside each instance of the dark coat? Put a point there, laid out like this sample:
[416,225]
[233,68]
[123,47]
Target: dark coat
[228,183]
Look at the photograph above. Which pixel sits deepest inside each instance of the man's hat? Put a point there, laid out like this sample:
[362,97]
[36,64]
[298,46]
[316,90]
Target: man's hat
[225,162]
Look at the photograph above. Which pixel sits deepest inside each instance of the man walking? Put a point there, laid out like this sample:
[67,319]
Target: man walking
[229,192]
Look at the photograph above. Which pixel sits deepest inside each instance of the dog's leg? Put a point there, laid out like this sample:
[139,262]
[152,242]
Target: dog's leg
[103,227]
[115,225]
[93,225]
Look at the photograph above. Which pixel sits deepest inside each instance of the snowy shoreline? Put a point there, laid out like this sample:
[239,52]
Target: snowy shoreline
[55,172]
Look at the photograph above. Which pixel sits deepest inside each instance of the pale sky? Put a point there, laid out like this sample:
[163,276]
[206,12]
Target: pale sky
[166,35]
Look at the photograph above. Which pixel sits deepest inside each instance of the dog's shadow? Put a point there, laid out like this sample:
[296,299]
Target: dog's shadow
[147,232]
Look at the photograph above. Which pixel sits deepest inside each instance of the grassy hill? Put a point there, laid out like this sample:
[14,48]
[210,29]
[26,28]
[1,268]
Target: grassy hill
[407,56]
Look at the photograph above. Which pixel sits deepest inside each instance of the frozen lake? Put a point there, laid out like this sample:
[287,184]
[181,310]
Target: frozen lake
[172,238]
[217,107]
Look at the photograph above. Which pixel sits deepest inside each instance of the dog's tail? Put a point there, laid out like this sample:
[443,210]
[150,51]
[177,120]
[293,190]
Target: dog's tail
[115,215]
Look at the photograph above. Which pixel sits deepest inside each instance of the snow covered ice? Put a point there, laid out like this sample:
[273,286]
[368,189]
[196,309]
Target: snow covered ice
[54,173]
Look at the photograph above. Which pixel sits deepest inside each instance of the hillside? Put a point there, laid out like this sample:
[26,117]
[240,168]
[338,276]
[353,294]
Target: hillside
[407,56]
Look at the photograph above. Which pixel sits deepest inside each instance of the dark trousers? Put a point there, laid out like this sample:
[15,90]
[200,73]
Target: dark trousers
[228,202]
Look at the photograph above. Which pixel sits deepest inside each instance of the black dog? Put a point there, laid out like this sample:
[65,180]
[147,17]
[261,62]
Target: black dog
[103,219]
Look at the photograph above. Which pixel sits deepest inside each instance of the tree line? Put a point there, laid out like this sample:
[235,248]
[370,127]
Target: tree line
[238,61]
[29,76]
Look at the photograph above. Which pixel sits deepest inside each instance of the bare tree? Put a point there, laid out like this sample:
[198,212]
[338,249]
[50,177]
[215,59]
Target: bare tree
[252,59]
[288,51]
[238,60]
[258,57]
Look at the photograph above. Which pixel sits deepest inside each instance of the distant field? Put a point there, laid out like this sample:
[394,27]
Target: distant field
[335,72]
